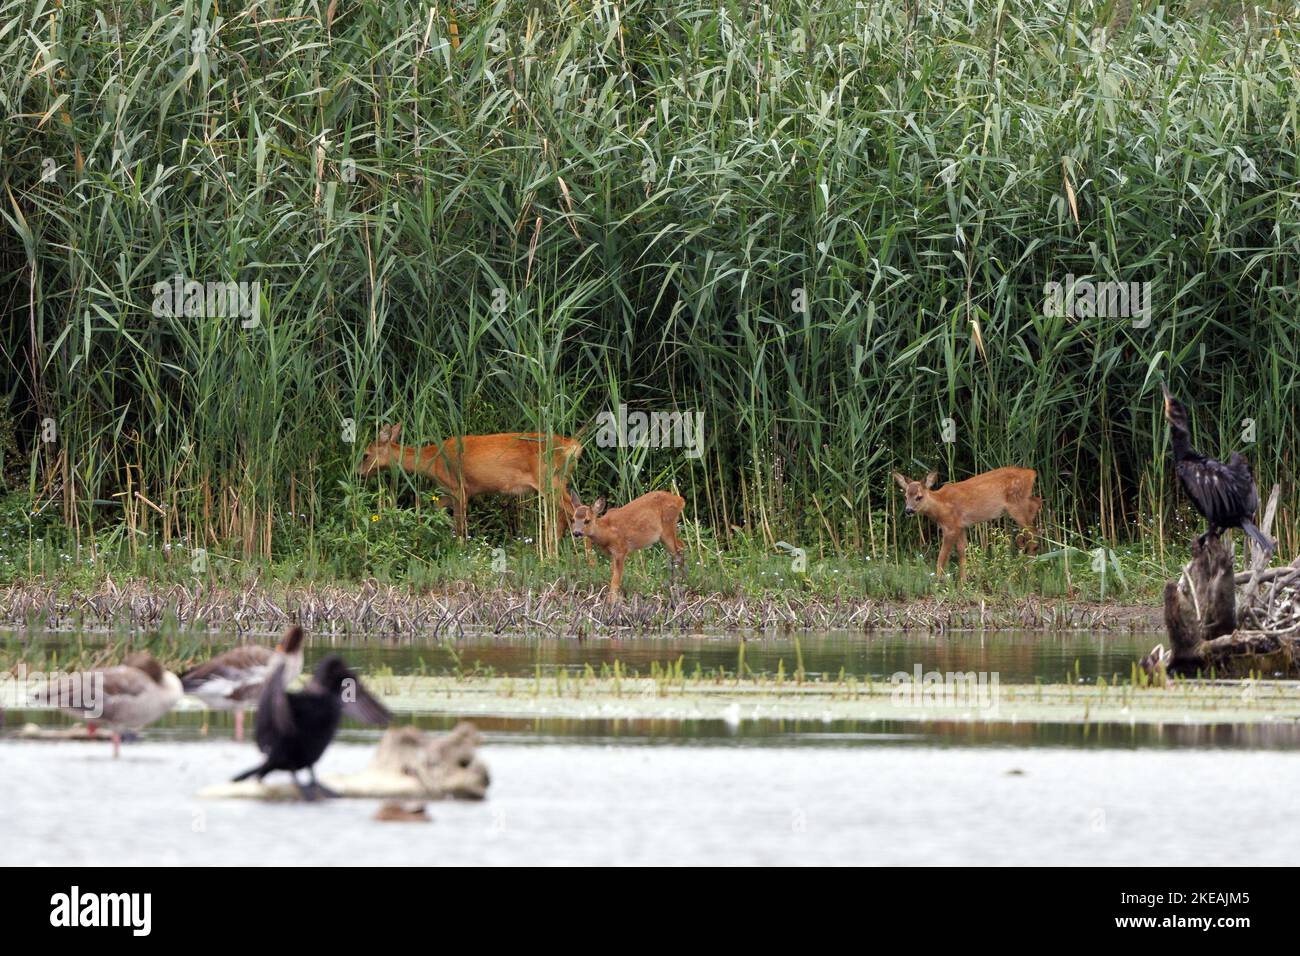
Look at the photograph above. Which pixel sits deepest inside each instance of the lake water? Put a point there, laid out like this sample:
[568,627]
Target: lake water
[697,791]
[567,803]
[1017,656]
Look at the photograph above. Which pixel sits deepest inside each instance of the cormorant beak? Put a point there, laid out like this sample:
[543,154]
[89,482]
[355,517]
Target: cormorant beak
[1169,408]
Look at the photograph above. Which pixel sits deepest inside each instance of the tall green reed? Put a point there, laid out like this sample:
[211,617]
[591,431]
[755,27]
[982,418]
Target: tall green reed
[827,225]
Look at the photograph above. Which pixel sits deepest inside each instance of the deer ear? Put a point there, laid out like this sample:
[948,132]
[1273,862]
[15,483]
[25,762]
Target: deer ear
[384,432]
[573,499]
[902,482]
[931,478]
[599,505]
[394,431]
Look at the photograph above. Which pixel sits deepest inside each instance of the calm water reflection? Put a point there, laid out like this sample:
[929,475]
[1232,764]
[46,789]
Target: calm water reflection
[1017,656]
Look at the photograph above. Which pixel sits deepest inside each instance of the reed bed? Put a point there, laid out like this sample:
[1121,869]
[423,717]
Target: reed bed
[378,610]
[829,226]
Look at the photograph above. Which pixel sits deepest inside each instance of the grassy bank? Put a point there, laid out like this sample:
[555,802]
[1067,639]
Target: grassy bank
[826,226]
[398,569]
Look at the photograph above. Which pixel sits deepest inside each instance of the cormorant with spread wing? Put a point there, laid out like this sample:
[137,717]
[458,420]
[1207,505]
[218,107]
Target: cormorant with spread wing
[293,730]
[1224,493]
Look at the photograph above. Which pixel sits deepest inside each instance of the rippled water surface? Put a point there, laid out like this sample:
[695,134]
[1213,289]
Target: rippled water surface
[1017,656]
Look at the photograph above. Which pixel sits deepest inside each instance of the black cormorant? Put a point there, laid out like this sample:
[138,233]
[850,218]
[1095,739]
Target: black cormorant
[293,730]
[1224,493]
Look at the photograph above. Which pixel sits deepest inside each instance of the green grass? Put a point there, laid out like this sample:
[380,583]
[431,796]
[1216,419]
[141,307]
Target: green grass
[651,187]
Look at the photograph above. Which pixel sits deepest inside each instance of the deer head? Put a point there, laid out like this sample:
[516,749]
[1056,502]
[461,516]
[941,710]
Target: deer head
[584,517]
[916,494]
[382,451]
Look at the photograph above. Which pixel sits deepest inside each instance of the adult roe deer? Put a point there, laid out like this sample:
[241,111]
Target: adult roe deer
[511,463]
[638,524]
[959,504]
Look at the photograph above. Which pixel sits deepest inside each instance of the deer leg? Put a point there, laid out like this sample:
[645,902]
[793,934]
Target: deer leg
[462,518]
[676,561]
[457,511]
[945,549]
[616,578]
[547,496]
[961,556]
[563,515]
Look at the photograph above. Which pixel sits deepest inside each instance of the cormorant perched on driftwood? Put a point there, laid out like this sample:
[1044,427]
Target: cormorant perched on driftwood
[293,730]
[1224,493]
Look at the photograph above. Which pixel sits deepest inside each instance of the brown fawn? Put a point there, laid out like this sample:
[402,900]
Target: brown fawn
[506,464]
[638,524]
[959,504]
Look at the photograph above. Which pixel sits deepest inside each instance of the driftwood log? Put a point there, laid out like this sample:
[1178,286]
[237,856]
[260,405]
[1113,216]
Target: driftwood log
[446,766]
[1231,625]
[409,764]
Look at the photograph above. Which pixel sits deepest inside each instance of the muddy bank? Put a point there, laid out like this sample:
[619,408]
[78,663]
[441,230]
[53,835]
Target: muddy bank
[557,610]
